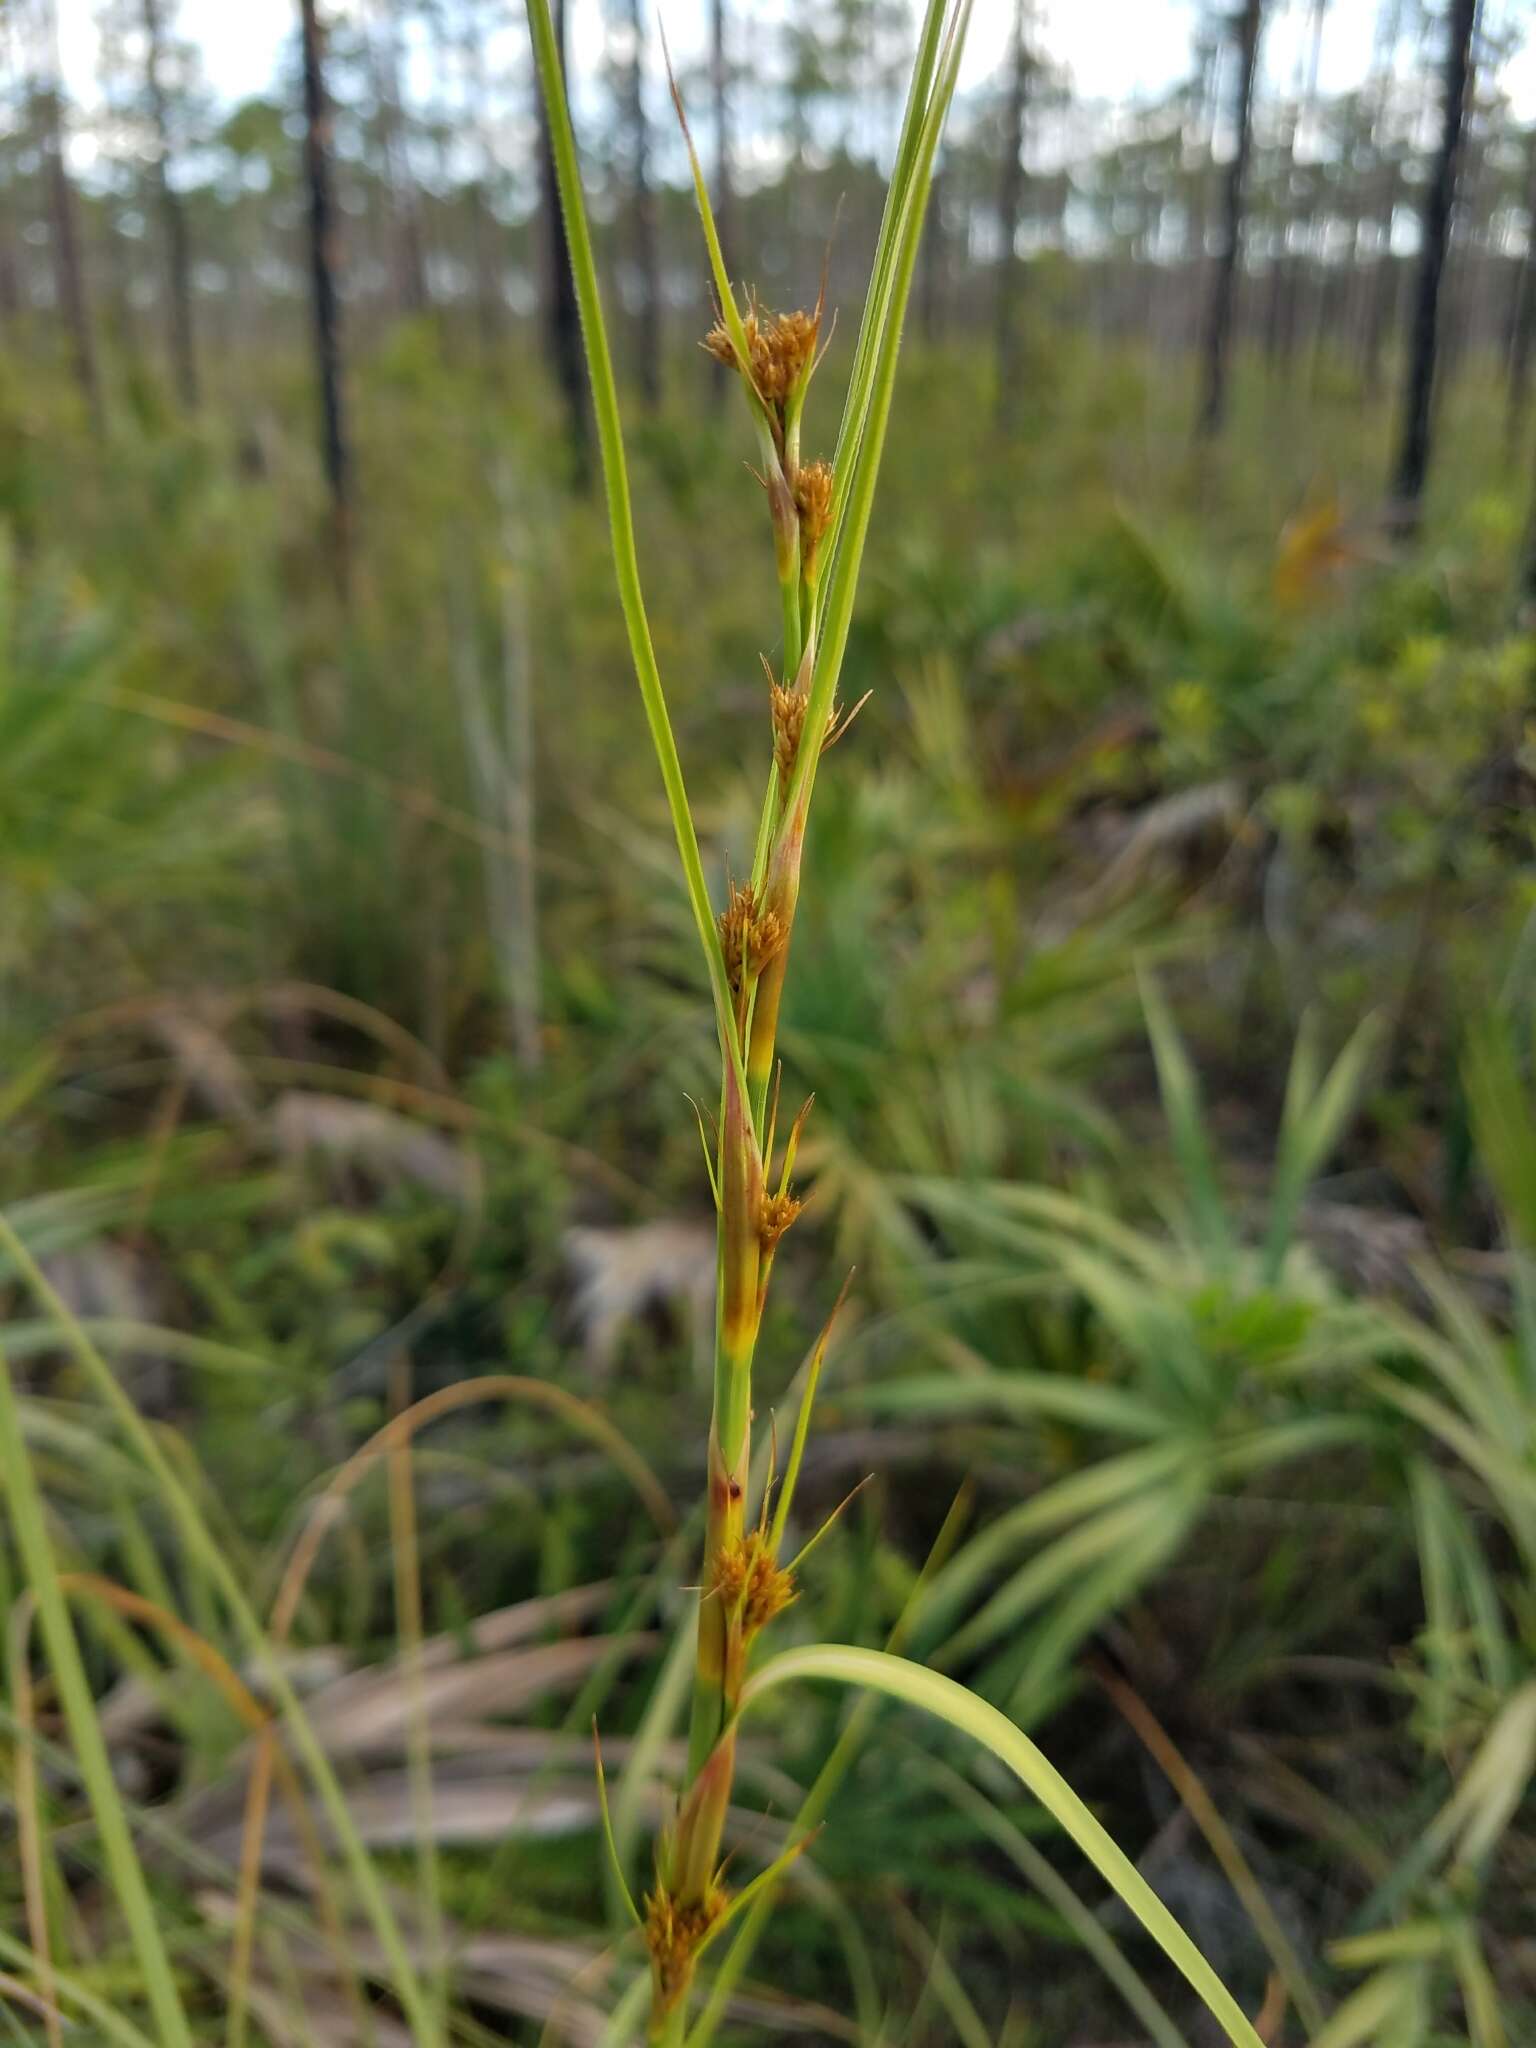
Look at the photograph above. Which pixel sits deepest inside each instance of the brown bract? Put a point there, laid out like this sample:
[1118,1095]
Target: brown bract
[751,1583]
[749,937]
[788,724]
[813,502]
[673,1931]
[775,1217]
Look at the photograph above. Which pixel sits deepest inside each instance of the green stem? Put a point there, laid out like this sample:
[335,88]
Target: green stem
[860,486]
[610,439]
[789,607]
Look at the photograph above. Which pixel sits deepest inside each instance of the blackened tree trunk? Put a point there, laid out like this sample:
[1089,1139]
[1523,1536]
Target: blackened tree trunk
[1010,201]
[1522,319]
[1216,349]
[326,299]
[173,217]
[562,318]
[1528,562]
[642,214]
[1413,454]
[63,228]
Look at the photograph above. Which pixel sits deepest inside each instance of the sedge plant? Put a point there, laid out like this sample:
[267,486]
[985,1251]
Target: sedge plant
[819,513]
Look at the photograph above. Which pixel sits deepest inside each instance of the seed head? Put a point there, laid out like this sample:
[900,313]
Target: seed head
[720,345]
[673,1932]
[788,724]
[775,1216]
[813,502]
[749,937]
[788,354]
[750,1582]
[781,349]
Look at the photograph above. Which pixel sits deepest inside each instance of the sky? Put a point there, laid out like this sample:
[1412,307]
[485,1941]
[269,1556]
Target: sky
[1115,50]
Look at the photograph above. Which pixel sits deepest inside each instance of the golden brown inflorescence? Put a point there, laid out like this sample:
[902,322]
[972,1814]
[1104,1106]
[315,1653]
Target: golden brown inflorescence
[812,486]
[673,1933]
[751,1583]
[781,348]
[788,707]
[749,937]
[775,1216]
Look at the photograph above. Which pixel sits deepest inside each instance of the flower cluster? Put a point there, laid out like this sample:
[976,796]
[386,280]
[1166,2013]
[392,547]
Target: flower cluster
[775,1216]
[752,1584]
[811,485]
[673,1932]
[781,350]
[749,937]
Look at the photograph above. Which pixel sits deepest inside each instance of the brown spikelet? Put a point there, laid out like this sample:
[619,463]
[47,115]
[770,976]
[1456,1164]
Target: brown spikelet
[751,1583]
[720,345]
[789,350]
[775,1216]
[782,353]
[813,503]
[788,724]
[749,937]
[673,1932]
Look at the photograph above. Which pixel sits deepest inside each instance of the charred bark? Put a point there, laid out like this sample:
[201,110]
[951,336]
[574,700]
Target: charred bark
[562,318]
[1216,350]
[64,231]
[1522,321]
[1415,430]
[326,299]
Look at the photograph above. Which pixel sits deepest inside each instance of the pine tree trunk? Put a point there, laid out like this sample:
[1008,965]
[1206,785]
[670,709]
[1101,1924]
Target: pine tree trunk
[408,253]
[323,263]
[173,216]
[1522,322]
[1010,201]
[64,234]
[562,319]
[1217,348]
[1414,439]
[642,213]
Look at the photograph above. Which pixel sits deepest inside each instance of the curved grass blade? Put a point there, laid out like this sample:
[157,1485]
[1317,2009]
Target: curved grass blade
[946,1701]
[30,1528]
[1180,1092]
[203,1547]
